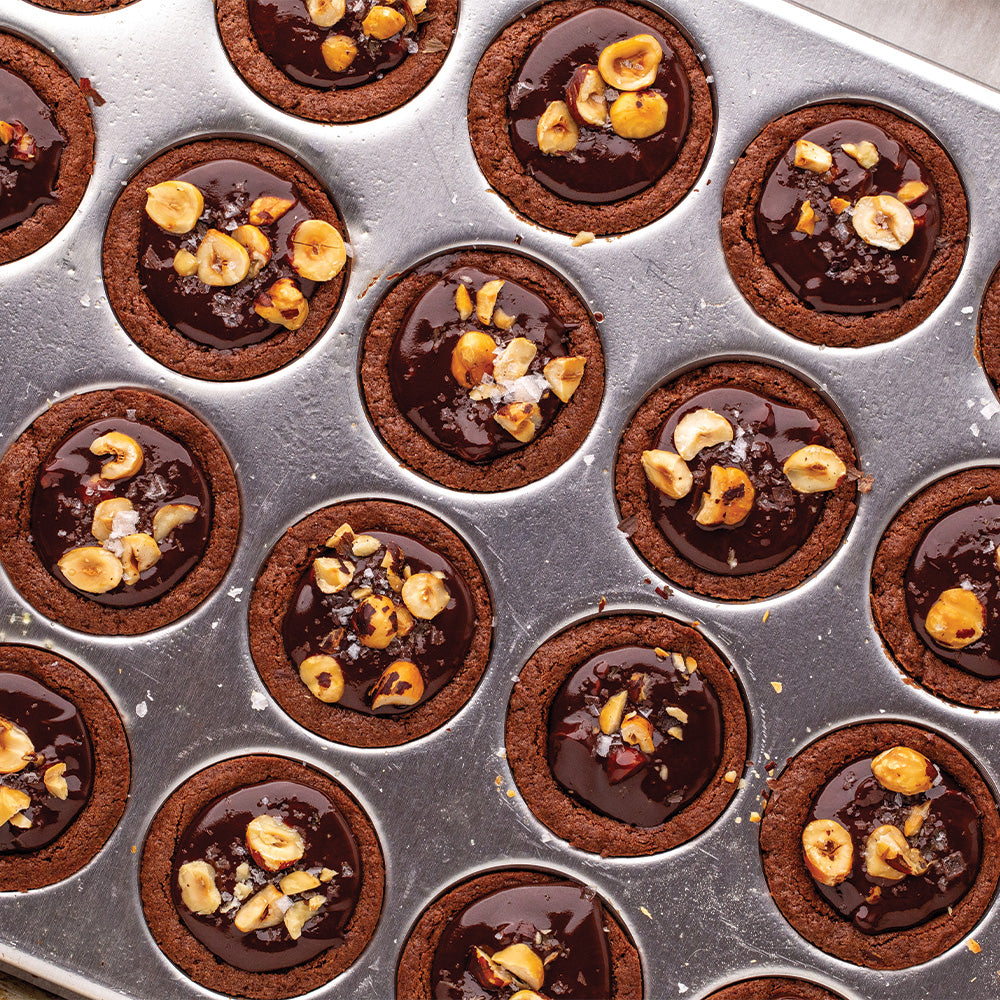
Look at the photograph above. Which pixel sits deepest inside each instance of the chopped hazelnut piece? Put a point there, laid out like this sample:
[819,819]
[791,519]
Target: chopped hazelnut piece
[472,357]
[916,818]
[502,321]
[585,96]
[639,115]
[364,546]
[12,801]
[266,210]
[865,153]
[486,300]
[883,221]
[911,191]
[828,851]
[260,911]
[333,574]
[728,499]
[400,684]
[668,473]
[675,712]
[903,770]
[283,303]
[522,963]
[676,732]
[297,882]
[375,621]
[139,553]
[610,719]
[700,429]
[91,569]
[631,64]
[463,303]
[564,375]
[127,460]
[198,890]
[325,13]
[16,748]
[54,781]
[839,205]
[104,516]
[323,676]
[256,245]
[814,469]
[809,156]
[583,238]
[956,619]
[807,219]
[557,132]
[888,855]
[338,52]
[171,516]
[185,263]
[514,360]
[296,917]
[175,206]
[520,420]
[637,730]
[6,132]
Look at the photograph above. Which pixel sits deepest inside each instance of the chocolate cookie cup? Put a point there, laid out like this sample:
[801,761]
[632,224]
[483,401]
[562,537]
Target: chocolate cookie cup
[250,32]
[895,588]
[139,271]
[70,721]
[46,150]
[804,789]
[180,815]
[707,717]
[491,130]
[463,446]
[179,448]
[773,988]
[988,331]
[910,155]
[285,610]
[815,516]
[415,974]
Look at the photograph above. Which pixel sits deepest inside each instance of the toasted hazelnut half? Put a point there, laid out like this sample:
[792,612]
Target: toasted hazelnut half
[668,473]
[199,892]
[375,621]
[519,420]
[557,131]
[267,209]
[865,153]
[298,882]
[91,569]
[630,64]
[911,191]
[273,843]
[55,783]
[956,619]
[104,516]
[916,818]
[400,684]
[809,156]
[296,917]
[283,303]
[814,469]
[700,429]
[828,851]
[522,963]
[807,219]
[16,748]
[637,730]
[185,263]
[610,719]
[257,246]
[425,595]
[127,454]
[383,23]
[139,553]
[585,96]
[472,358]
[487,972]
[12,801]
[221,260]
[170,516]
[888,855]
[332,573]
[318,250]
[260,911]
[514,360]
[323,676]
[338,52]
[325,13]
[174,206]
[728,499]
[900,769]
[564,375]
[486,300]
[883,221]
[463,303]
[639,114]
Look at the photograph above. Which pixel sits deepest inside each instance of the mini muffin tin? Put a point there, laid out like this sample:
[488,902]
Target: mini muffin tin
[408,186]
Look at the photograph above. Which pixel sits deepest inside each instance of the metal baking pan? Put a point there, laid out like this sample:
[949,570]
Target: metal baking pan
[408,185]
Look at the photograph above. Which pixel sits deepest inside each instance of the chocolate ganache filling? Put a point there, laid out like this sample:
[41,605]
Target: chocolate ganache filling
[481,378]
[549,937]
[314,46]
[223,316]
[636,734]
[46,764]
[937,838]
[959,554]
[765,434]
[613,157]
[379,623]
[89,509]
[30,149]
[835,227]
[268,876]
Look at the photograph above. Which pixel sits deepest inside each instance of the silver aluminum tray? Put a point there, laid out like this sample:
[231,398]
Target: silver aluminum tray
[408,185]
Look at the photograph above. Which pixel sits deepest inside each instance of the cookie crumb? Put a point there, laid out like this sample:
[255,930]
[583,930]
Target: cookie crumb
[777,685]
[974,946]
[583,238]
[767,614]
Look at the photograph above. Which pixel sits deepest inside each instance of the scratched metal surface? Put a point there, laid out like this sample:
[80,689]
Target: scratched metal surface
[407,185]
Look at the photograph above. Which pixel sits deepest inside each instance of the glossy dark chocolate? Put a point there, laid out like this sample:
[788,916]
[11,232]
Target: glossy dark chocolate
[288,37]
[960,550]
[604,167]
[834,270]
[950,840]
[26,184]
[59,735]
[69,488]
[218,835]
[423,386]
[318,623]
[571,925]
[766,433]
[221,317]
[620,780]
